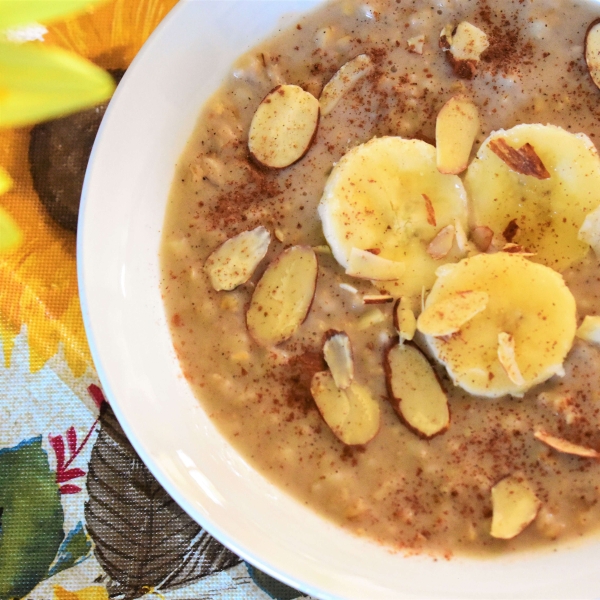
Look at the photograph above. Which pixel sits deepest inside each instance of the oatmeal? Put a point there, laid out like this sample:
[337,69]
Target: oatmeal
[433,480]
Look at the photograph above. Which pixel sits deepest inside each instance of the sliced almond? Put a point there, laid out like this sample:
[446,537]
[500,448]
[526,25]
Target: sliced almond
[516,249]
[456,127]
[283,296]
[415,44]
[283,126]
[464,46]
[564,446]
[415,391]
[366,265]
[448,316]
[589,330]
[235,260]
[353,415]
[337,352]
[482,237]
[508,359]
[377,298]
[430,210]
[343,81]
[589,231]
[523,160]
[592,51]
[348,288]
[405,321]
[514,506]
[441,244]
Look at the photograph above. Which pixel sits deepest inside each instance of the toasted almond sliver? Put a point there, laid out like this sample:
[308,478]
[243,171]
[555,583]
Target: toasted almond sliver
[337,352]
[523,160]
[348,288]
[366,265]
[377,298]
[343,81]
[514,505]
[482,237]
[448,316]
[235,260]
[507,358]
[415,44]
[405,321]
[441,244]
[589,330]
[511,248]
[564,446]
[592,51]
[590,230]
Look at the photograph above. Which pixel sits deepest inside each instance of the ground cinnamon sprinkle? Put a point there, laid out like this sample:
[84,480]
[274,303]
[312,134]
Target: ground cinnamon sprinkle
[297,374]
[506,51]
[231,208]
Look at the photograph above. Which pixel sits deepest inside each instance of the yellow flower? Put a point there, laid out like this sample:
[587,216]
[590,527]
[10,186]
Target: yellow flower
[93,592]
[38,279]
[39,82]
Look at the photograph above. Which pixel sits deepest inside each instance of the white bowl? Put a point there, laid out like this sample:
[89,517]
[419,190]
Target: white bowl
[126,188]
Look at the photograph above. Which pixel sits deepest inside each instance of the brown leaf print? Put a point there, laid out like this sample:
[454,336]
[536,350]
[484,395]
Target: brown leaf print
[142,538]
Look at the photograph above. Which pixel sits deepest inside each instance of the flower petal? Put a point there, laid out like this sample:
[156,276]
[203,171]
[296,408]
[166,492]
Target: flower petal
[5,181]
[11,235]
[23,12]
[39,82]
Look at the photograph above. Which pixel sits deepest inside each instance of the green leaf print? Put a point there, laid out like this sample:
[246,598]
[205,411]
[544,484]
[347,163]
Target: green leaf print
[31,518]
[75,548]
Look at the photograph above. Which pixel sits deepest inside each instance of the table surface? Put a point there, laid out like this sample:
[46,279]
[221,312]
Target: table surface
[81,518]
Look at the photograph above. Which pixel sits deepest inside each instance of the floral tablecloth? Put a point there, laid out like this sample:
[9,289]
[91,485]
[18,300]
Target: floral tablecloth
[81,518]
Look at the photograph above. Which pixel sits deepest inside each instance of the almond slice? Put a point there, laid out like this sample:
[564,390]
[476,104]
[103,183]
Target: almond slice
[448,316]
[353,415]
[415,391]
[564,446]
[464,46]
[235,260]
[377,298]
[405,321]
[441,244]
[337,352]
[589,330]
[508,359]
[343,81]
[283,127]
[456,127]
[482,237]
[366,265]
[415,44]
[283,296]
[516,249]
[523,160]
[514,507]
[589,232]
[592,51]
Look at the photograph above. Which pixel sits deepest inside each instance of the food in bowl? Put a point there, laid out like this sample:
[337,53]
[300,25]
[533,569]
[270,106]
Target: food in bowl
[376,256]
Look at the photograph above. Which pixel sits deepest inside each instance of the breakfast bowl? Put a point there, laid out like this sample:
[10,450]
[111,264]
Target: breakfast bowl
[125,197]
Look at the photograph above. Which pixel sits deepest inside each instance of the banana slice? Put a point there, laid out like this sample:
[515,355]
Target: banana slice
[538,212]
[388,195]
[521,336]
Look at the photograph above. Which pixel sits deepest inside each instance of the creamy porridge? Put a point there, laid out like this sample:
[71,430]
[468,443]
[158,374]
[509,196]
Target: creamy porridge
[409,487]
